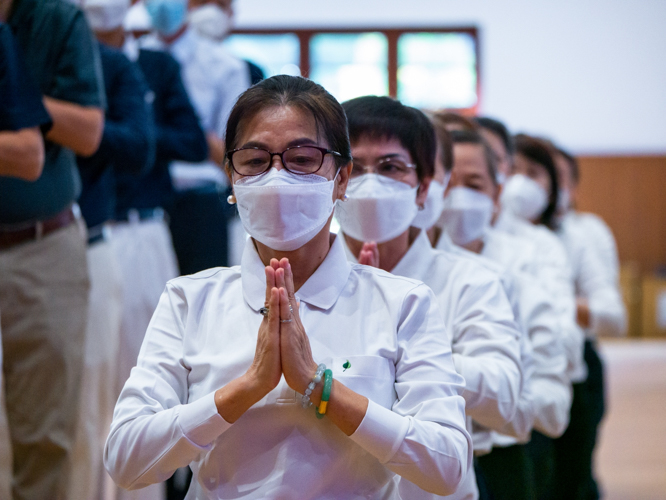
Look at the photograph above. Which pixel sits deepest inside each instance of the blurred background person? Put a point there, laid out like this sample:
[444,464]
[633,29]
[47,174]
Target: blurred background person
[43,268]
[505,468]
[600,312]
[394,149]
[23,119]
[127,147]
[192,33]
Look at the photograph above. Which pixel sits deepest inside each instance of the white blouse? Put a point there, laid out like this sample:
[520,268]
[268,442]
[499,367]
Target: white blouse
[547,260]
[550,388]
[203,335]
[591,249]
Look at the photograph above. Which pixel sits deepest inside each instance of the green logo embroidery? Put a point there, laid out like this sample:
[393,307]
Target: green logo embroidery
[346,365]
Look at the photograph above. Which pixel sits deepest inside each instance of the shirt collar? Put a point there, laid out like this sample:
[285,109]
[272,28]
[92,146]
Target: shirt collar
[321,290]
[416,262]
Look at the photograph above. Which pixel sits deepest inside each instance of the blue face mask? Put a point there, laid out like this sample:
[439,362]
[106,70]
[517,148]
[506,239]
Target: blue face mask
[167,15]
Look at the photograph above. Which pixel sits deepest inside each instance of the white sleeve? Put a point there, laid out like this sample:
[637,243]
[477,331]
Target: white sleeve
[549,386]
[423,438]
[154,431]
[598,284]
[486,347]
[554,273]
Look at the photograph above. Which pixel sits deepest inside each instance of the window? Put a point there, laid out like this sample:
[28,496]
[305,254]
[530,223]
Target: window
[426,68]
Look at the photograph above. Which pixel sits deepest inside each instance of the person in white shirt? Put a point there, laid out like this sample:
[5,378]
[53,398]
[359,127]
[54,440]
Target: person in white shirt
[600,312]
[394,149]
[472,197]
[229,376]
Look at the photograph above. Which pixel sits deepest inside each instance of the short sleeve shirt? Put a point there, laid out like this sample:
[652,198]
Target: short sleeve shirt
[62,56]
[20,100]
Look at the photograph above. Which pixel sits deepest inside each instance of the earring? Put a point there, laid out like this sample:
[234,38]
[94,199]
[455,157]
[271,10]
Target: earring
[231,199]
[345,197]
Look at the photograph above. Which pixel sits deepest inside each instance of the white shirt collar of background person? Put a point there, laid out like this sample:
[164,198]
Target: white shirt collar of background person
[320,290]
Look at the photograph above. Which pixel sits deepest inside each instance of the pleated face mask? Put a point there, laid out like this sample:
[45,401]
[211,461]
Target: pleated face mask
[524,197]
[282,210]
[434,204]
[467,214]
[378,208]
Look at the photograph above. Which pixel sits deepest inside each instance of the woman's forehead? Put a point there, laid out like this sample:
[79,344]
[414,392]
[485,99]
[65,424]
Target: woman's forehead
[277,125]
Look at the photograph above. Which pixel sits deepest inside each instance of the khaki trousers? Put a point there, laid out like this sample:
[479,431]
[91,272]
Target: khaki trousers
[43,309]
[90,480]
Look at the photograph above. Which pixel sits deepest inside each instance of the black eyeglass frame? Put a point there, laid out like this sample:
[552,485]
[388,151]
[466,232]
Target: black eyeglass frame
[324,152]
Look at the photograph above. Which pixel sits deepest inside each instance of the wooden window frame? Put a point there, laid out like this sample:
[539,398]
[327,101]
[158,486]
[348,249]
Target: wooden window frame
[392,36]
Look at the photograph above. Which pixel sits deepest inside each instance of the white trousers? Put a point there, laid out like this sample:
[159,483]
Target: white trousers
[89,480]
[147,261]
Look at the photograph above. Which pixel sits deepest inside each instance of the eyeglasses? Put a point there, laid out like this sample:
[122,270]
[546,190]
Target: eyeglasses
[300,160]
[393,168]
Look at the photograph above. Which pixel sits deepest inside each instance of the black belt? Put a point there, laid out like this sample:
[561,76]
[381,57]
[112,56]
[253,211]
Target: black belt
[10,237]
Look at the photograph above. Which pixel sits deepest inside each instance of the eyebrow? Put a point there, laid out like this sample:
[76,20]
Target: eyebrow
[301,141]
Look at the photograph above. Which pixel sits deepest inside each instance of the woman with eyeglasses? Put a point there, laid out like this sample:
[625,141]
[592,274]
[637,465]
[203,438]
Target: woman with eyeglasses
[394,150]
[295,375]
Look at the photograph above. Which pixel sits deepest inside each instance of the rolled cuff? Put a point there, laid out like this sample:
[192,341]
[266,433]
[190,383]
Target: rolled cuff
[200,422]
[381,432]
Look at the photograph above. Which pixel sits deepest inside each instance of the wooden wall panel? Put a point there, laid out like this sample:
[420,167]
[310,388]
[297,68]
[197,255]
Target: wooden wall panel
[629,193]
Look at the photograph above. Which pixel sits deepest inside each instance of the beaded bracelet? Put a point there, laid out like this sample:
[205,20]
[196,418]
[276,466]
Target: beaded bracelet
[305,399]
[326,394]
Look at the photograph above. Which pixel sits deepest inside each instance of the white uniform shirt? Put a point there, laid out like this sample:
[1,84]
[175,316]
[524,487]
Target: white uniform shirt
[484,334]
[203,335]
[588,242]
[214,79]
[522,423]
[552,269]
[550,387]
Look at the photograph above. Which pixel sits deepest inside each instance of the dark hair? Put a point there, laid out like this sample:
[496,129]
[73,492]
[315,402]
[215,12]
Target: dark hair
[449,120]
[539,152]
[298,92]
[573,164]
[444,139]
[383,117]
[472,137]
[497,128]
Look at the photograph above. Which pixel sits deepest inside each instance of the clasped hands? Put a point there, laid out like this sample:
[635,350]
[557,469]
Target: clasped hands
[283,347]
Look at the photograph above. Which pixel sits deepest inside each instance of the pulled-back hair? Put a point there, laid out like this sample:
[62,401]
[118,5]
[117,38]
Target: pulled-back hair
[539,152]
[378,117]
[573,164]
[473,137]
[297,92]
[497,128]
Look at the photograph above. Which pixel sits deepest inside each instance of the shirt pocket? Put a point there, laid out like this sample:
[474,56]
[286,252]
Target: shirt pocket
[370,376]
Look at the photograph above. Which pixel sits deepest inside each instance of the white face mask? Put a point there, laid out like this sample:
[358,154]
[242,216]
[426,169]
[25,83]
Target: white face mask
[105,15]
[433,205]
[467,214]
[524,197]
[210,21]
[282,210]
[378,209]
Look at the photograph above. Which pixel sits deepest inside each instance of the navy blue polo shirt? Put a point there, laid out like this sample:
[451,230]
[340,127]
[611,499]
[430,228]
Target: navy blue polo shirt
[128,141]
[178,133]
[61,55]
[20,99]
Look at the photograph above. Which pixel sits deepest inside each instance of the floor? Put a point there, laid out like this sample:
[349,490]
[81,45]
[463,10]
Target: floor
[631,458]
